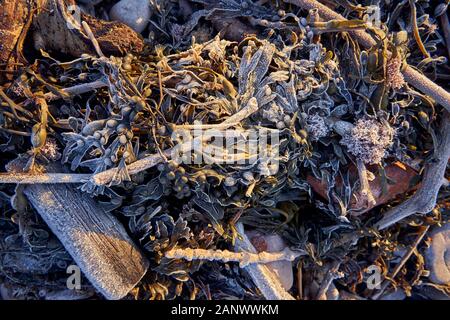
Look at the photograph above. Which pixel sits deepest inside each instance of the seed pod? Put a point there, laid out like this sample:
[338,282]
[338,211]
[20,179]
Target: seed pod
[126,66]
[280,125]
[123,139]
[38,135]
[97,135]
[423,117]
[111,123]
[147,92]
[202,178]
[303,134]
[93,126]
[171,175]
[172,165]
[229,181]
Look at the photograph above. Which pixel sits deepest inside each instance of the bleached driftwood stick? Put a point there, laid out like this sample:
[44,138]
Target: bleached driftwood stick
[244,258]
[412,76]
[95,239]
[266,281]
[44,178]
[424,200]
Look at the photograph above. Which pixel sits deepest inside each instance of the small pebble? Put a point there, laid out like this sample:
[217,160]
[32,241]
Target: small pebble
[437,256]
[134,13]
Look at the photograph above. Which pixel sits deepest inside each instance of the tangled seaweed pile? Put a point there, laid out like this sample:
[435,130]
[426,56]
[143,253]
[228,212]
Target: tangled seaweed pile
[353,138]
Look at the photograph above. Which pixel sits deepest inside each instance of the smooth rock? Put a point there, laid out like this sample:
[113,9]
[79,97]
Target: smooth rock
[134,13]
[437,256]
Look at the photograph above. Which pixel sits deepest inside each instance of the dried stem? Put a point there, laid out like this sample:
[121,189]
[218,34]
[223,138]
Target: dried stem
[416,28]
[366,193]
[105,177]
[424,200]
[244,258]
[400,265]
[331,275]
[78,89]
[266,281]
[412,76]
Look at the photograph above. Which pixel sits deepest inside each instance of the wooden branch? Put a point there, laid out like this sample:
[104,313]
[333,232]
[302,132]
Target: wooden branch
[266,281]
[412,76]
[244,258]
[44,178]
[95,239]
[424,200]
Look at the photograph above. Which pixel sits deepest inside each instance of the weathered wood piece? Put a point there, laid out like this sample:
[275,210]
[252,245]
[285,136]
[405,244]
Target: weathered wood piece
[58,24]
[424,200]
[55,27]
[95,239]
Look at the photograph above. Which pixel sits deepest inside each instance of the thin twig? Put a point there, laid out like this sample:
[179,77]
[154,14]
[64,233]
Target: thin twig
[400,265]
[412,76]
[91,37]
[77,89]
[266,281]
[366,192]
[244,258]
[105,177]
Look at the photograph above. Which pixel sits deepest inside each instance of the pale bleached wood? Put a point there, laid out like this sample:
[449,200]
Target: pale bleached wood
[96,240]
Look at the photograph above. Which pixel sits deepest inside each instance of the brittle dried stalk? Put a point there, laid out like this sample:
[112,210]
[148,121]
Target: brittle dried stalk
[364,181]
[424,200]
[266,281]
[244,258]
[400,265]
[416,29]
[412,76]
[77,89]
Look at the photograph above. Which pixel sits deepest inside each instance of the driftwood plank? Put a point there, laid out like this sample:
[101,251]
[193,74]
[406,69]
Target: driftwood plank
[96,240]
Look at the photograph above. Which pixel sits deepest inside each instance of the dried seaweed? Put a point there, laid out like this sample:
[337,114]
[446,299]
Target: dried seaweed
[344,102]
